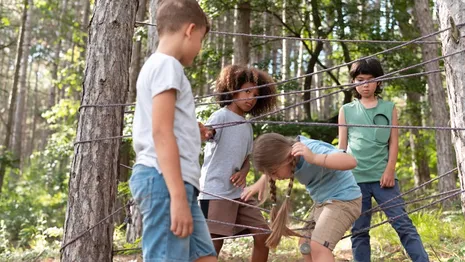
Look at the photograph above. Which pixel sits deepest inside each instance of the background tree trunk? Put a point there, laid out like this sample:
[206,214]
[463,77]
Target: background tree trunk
[152,37]
[94,171]
[14,90]
[436,98]
[17,138]
[455,79]
[241,43]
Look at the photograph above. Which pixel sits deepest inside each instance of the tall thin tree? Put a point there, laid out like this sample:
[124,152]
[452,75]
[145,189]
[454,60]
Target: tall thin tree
[14,90]
[17,138]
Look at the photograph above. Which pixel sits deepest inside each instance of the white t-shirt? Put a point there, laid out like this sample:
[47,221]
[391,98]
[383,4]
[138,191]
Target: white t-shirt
[226,153]
[160,73]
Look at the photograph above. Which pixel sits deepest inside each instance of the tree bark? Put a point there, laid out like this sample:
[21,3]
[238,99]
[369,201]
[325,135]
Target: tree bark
[136,55]
[17,138]
[455,78]
[14,90]
[436,98]
[94,171]
[152,34]
[241,43]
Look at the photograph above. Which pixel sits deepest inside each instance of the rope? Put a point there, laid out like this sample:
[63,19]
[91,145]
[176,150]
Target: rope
[281,94]
[295,122]
[392,219]
[335,92]
[307,38]
[410,191]
[416,200]
[338,66]
[321,88]
[92,227]
[248,205]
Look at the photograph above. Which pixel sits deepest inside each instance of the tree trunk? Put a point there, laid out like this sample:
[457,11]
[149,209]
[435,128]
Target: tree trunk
[94,171]
[455,78]
[17,138]
[419,157]
[57,51]
[241,43]
[152,37]
[14,90]
[436,98]
[136,54]
[35,112]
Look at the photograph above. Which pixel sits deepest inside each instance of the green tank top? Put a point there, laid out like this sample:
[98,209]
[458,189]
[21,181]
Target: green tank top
[370,146]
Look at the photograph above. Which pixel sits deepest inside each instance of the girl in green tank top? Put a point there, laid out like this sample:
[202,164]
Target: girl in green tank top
[376,152]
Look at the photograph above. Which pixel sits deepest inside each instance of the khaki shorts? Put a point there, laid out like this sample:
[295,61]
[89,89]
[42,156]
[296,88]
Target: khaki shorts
[234,213]
[333,218]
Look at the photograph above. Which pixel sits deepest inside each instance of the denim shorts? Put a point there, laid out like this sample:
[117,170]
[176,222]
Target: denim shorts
[159,244]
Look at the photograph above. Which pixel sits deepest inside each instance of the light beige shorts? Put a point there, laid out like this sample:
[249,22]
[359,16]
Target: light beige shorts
[333,218]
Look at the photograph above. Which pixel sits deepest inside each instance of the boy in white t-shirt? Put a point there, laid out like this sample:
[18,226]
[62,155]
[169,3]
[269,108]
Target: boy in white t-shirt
[166,136]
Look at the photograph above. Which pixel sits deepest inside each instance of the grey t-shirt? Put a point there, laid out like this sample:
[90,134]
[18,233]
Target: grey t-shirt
[160,73]
[224,154]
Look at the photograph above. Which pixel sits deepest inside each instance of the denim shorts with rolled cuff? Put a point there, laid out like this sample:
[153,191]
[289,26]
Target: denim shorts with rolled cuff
[159,244]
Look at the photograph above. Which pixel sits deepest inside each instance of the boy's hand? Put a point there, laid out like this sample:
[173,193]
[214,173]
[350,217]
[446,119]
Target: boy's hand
[181,218]
[299,149]
[238,179]
[205,132]
[387,179]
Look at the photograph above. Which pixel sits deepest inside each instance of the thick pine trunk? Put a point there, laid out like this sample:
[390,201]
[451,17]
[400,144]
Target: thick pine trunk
[18,131]
[455,78]
[436,98]
[94,171]
[14,90]
[241,43]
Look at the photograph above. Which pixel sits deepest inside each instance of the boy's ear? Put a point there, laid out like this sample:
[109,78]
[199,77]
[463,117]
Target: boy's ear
[190,29]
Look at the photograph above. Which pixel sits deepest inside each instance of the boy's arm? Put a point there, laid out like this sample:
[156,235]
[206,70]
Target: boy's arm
[388,178]
[342,130]
[163,108]
[239,178]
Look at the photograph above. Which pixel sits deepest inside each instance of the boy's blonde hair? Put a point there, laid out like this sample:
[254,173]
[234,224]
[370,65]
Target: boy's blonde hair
[173,14]
[270,151]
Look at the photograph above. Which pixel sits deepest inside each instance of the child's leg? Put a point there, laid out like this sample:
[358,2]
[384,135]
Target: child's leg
[333,219]
[253,217]
[149,191]
[403,225]
[217,243]
[361,242]
[219,211]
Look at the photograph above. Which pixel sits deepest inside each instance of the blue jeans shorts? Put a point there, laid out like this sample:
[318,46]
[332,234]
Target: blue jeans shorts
[159,244]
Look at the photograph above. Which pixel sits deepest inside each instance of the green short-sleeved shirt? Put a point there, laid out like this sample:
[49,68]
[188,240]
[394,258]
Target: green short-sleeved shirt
[370,146]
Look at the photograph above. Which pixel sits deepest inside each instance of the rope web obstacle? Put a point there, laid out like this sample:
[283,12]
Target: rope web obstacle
[443,196]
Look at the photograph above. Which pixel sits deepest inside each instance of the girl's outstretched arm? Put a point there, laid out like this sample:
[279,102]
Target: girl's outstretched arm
[258,187]
[336,161]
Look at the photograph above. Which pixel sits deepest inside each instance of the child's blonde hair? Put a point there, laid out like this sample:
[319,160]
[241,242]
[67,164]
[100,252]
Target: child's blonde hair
[271,151]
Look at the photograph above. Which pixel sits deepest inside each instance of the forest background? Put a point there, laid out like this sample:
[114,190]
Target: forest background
[42,60]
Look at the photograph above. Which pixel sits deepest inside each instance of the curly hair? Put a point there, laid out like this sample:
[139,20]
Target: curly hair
[370,66]
[233,77]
